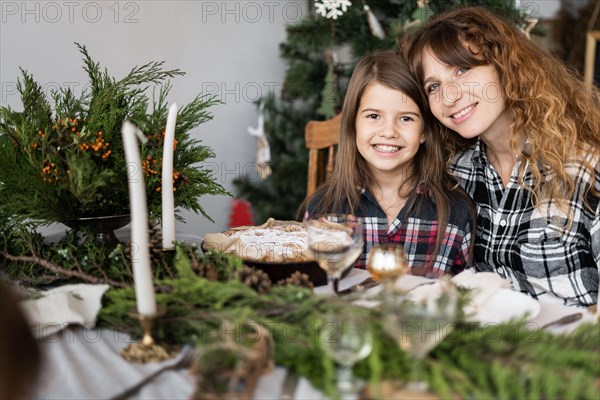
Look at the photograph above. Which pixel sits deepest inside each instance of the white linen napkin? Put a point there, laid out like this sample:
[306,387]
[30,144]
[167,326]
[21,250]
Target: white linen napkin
[57,308]
[492,301]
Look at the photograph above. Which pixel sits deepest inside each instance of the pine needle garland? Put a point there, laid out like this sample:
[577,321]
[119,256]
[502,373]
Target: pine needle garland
[503,361]
[514,360]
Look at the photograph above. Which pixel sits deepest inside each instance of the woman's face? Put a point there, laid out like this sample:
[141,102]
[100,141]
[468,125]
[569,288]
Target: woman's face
[468,100]
[389,130]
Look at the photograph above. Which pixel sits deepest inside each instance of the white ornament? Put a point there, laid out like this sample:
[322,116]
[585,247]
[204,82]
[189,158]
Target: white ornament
[263,151]
[330,9]
[374,24]
[530,23]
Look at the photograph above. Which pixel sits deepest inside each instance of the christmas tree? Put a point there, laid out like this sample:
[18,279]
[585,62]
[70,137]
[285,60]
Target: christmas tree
[321,52]
[570,30]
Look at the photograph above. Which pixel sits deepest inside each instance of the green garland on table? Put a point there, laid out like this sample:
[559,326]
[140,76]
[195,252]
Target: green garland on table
[499,361]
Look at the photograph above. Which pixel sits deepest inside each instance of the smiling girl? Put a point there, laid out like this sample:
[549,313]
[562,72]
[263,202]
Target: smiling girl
[390,170]
[524,133]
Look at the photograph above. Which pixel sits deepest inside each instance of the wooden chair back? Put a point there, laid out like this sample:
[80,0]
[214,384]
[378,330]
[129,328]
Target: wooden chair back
[322,138]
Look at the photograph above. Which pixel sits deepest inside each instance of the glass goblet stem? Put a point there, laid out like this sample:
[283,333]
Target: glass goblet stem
[344,378]
[417,382]
[332,282]
[388,291]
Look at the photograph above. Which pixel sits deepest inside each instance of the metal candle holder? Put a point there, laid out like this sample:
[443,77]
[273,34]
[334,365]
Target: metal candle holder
[386,263]
[147,350]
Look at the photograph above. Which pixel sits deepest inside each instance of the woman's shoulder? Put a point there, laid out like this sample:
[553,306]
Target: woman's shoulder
[463,161]
[580,168]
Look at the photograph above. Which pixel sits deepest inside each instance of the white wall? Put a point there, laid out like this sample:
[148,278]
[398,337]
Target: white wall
[547,9]
[226,47]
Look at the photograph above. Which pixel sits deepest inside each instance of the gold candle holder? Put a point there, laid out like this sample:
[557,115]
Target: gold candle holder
[147,350]
[386,263]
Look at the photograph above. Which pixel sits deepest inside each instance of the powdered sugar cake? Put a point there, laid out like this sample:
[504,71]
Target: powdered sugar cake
[274,242]
[277,247]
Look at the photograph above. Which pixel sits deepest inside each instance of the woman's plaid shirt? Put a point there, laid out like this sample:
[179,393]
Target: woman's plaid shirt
[418,232]
[538,255]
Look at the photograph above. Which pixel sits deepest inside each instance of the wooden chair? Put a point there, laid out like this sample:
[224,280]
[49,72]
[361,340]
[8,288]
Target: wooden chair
[320,136]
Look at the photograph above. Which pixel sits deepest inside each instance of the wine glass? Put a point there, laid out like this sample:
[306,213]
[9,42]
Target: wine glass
[346,338]
[386,263]
[420,325]
[336,241]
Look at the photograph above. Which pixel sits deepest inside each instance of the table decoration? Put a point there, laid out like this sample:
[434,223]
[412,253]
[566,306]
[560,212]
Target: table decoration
[386,263]
[69,151]
[146,350]
[168,202]
[512,360]
[202,290]
[140,251]
[102,228]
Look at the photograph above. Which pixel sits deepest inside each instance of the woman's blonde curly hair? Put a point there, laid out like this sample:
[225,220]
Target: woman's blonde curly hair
[552,108]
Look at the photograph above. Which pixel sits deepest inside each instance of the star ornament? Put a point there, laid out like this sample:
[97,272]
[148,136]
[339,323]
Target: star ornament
[332,9]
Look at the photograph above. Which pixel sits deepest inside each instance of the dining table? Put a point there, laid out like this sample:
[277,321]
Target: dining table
[82,361]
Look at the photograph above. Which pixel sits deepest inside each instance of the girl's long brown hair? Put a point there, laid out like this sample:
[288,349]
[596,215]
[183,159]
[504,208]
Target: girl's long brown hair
[342,191]
[551,106]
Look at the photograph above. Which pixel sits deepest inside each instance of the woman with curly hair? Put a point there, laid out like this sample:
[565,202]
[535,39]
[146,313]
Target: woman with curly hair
[523,135]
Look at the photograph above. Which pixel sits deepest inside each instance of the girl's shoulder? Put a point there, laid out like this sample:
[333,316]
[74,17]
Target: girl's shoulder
[323,201]
[461,208]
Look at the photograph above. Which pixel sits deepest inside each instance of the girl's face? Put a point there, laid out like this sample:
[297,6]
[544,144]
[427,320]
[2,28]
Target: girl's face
[468,100]
[389,129]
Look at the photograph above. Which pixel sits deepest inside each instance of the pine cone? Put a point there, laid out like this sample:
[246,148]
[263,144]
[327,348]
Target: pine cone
[297,279]
[127,253]
[255,278]
[205,270]
[156,245]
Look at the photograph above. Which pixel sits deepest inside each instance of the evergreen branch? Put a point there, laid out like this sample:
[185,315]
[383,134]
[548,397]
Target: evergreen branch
[72,157]
[58,270]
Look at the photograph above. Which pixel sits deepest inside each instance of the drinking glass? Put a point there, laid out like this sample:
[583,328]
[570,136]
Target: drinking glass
[336,241]
[386,263]
[419,327]
[346,338]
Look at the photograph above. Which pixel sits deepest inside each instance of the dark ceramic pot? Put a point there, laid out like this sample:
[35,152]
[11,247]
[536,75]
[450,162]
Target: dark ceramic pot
[102,227]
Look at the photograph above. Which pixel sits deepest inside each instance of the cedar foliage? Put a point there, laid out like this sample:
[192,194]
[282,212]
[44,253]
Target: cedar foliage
[62,157]
[515,360]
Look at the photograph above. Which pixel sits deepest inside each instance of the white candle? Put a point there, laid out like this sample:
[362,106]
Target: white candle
[168,199]
[598,302]
[140,252]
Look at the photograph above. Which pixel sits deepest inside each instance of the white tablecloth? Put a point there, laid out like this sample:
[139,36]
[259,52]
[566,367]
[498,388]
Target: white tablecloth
[86,364]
